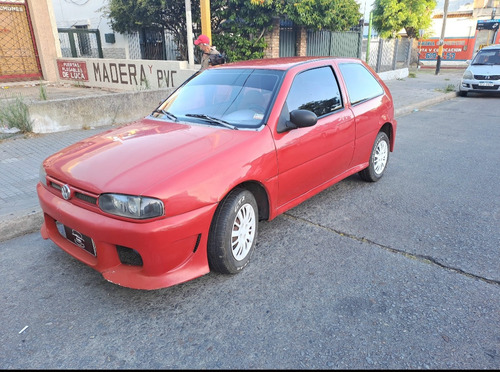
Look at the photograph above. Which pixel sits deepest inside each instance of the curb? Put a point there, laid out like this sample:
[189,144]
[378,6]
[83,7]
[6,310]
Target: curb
[428,102]
[24,222]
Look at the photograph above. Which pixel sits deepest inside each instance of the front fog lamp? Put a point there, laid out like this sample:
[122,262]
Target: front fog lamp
[130,206]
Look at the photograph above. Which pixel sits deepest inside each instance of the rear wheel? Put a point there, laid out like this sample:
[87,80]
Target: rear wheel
[233,233]
[378,159]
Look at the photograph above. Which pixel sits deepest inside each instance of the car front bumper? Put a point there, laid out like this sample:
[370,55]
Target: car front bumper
[172,250]
[480,86]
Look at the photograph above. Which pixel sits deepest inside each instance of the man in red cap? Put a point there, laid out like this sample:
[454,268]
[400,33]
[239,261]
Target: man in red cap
[203,42]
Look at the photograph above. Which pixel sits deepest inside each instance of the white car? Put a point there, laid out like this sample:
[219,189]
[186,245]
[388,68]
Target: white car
[483,73]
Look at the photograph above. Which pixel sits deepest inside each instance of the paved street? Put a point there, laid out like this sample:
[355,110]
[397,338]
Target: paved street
[399,274]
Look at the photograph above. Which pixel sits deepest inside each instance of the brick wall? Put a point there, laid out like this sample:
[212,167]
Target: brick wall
[273,40]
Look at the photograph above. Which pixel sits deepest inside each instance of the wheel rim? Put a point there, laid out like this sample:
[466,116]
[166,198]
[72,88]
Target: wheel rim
[243,232]
[380,157]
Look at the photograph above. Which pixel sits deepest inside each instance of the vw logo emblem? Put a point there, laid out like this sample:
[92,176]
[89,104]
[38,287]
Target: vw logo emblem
[66,192]
[487,77]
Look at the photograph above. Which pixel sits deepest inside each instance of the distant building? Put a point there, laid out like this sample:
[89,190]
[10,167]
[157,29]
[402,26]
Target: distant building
[470,25]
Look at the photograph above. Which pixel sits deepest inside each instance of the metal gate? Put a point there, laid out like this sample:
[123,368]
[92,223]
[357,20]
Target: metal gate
[288,39]
[19,60]
[80,42]
[152,43]
[330,43]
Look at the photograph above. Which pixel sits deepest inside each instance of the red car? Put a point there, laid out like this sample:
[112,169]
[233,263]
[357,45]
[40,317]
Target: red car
[168,198]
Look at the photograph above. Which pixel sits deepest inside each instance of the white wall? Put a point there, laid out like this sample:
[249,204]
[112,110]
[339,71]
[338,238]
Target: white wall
[69,13]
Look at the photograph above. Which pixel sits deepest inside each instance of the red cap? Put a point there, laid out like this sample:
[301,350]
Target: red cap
[202,39]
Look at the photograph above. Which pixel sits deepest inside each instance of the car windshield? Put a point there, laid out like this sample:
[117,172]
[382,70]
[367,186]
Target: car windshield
[487,57]
[233,98]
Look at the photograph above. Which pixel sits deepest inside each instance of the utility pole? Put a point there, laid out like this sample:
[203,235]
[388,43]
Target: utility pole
[189,26]
[369,38]
[441,41]
[206,27]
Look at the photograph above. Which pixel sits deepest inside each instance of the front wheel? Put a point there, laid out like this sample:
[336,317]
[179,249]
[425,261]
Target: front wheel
[378,159]
[462,93]
[233,233]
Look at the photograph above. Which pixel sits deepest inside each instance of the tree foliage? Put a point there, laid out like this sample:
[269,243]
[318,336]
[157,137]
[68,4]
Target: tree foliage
[238,26]
[392,16]
[134,15]
[333,15]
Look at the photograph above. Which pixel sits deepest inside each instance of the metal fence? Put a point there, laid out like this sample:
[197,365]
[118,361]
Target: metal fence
[387,54]
[80,43]
[383,54]
[329,43]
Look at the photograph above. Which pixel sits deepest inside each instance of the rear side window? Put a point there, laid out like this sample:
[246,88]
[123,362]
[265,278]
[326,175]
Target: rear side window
[315,90]
[361,84]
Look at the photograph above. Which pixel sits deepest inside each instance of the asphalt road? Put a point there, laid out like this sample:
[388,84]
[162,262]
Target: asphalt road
[400,274]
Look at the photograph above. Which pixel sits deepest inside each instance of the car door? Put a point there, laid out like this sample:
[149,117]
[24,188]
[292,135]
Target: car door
[310,157]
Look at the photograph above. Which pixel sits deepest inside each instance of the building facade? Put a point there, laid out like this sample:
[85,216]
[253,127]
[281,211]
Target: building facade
[469,26]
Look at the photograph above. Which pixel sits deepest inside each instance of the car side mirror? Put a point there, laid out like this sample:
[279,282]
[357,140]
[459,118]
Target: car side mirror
[299,119]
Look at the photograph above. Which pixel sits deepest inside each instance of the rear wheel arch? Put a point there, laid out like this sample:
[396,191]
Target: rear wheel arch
[388,129]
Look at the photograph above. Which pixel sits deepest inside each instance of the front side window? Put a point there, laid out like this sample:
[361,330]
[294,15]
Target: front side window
[315,90]
[361,84]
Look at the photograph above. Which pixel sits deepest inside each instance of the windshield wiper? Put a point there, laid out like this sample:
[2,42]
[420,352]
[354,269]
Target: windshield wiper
[211,119]
[167,114]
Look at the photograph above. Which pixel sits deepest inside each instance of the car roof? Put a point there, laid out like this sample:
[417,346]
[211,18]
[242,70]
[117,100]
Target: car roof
[283,63]
[490,47]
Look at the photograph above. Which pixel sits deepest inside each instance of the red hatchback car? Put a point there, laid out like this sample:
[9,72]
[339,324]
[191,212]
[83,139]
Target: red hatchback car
[168,198]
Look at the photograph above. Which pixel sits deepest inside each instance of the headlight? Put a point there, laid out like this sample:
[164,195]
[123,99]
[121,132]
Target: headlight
[42,175]
[130,206]
[468,75]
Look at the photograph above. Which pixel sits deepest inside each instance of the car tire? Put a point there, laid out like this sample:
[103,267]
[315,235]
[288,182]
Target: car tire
[233,232]
[462,93]
[378,159]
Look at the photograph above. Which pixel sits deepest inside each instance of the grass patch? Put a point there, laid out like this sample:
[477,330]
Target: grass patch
[412,75]
[43,91]
[449,88]
[14,113]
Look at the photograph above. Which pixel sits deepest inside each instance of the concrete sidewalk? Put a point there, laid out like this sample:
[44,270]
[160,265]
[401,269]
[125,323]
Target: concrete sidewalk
[22,155]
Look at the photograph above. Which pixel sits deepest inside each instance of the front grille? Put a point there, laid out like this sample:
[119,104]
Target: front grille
[487,77]
[56,186]
[480,87]
[79,195]
[86,198]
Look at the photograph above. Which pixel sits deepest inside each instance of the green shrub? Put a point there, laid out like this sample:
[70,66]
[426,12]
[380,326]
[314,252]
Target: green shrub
[14,113]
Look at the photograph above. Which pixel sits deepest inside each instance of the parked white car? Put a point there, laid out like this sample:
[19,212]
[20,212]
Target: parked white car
[483,73]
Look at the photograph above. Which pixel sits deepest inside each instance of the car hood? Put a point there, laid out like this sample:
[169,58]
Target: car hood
[133,158]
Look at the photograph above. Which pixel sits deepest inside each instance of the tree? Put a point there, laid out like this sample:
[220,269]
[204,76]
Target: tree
[238,27]
[392,16]
[134,15]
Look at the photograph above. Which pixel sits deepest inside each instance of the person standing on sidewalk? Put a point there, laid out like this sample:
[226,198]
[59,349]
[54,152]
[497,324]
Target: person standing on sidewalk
[203,42]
